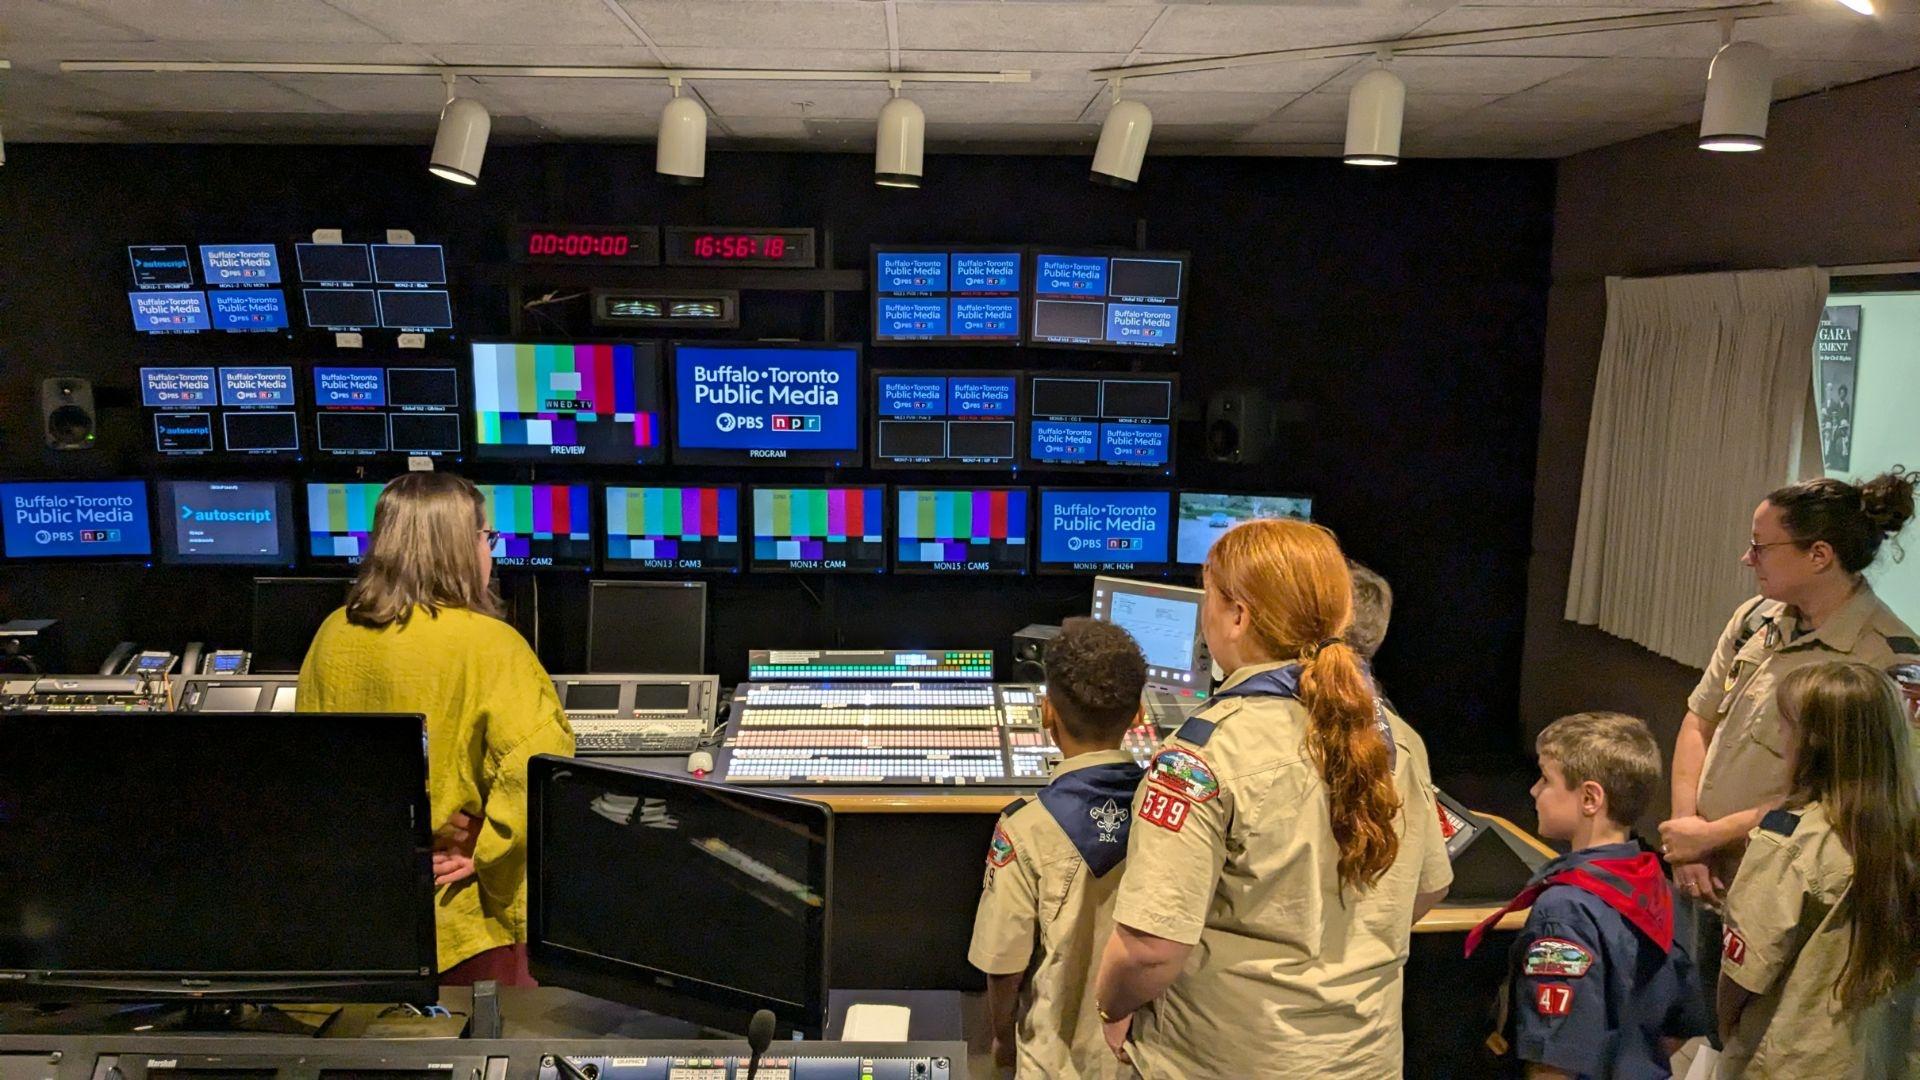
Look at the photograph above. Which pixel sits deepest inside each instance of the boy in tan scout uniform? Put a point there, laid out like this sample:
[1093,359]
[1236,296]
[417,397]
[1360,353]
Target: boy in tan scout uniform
[1054,864]
[1817,976]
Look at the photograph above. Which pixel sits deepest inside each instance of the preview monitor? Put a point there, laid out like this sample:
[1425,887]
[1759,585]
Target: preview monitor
[674,641]
[587,402]
[1104,532]
[1164,620]
[363,410]
[979,530]
[1108,300]
[197,910]
[74,519]
[1101,422]
[681,864]
[819,529]
[226,522]
[765,404]
[539,526]
[948,295]
[1205,517]
[693,528]
[946,419]
[340,520]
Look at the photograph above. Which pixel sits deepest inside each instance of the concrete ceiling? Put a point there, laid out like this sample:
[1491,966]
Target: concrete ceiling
[1543,98]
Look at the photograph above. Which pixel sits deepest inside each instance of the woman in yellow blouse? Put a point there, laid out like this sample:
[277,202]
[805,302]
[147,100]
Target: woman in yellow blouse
[422,633]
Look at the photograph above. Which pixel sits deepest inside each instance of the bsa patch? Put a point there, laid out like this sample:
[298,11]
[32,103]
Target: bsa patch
[1164,809]
[1000,852]
[1557,956]
[1182,772]
[1108,820]
[1736,950]
[1553,999]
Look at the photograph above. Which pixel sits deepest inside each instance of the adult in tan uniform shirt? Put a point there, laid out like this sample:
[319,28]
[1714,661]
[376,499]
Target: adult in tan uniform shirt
[1249,942]
[1812,541]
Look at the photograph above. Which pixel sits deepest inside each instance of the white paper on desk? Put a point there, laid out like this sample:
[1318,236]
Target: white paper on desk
[1706,1064]
[877,1023]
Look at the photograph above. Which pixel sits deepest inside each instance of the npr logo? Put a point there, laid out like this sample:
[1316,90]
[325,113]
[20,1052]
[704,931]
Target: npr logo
[794,423]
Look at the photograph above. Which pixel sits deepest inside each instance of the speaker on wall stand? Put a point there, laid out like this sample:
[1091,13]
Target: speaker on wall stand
[66,412]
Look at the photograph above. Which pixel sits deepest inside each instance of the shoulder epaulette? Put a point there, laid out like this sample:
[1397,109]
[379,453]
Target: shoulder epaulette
[1905,645]
[1012,806]
[1780,822]
[1196,731]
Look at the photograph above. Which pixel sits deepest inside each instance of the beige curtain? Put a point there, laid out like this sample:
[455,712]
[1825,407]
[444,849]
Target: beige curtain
[1703,404]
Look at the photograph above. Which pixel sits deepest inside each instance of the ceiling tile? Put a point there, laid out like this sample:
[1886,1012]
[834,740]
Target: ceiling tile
[233,20]
[796,59]
[538,97]
[493,22]
[1807,76]
[316,52]
[388,93]
[1062,133]
[1547,105]
[1051,72]
[963,24]
[768,127]
[193,92]
[1470,17]
[626,52]
[825,24]
[638,125]
[1291,76]
[1465,74]
[823,101]
[37,20]
[1634,75]
[965,103]
[1215,30]
[1171,108]
[1296,131]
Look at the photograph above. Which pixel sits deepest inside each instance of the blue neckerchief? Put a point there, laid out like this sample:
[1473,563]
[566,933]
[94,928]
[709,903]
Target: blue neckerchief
[1093,807]
[1284,682]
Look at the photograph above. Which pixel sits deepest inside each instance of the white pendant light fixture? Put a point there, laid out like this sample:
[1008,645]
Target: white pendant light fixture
[900,143]
[1739,93]
[1375,109]
[682,153]
[460,146]
[1123,142]
[1864,7]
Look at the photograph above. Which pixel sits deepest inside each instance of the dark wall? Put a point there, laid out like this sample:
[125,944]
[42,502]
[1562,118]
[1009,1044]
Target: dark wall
[1403,308]
[1838,184]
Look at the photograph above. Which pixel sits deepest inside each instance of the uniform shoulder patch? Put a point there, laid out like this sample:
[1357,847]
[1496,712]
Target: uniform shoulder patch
[1557,957]
[1196,731]
[1781,822]
[1735,948]
[1000,851]
[1904,645]
[1553,999]
[1183,772]
[1007,810]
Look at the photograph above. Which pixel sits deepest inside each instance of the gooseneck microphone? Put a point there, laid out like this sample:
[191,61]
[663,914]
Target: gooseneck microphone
[759,1037]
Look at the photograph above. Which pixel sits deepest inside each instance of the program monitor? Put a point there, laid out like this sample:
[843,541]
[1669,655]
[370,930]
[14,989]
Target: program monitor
[961,531]
[593,403]
[742,403]
[839,530]
[1105,532]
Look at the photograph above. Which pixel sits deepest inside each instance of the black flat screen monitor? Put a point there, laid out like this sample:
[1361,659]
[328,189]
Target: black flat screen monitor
[581,403]
[947,419]
[287,612]
[947,295]
[226,522]
[647,628]
[694,528]
[686,898]
[833,530]
[973,530]
[1088,421]
[255,857]
[752,403]
[1108,299]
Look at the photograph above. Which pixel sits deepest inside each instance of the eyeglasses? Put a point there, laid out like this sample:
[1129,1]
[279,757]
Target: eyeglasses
[490,535]
[1754,549]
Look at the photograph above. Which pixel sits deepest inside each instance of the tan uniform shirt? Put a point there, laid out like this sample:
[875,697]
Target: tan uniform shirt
[1746,761]
[1233,851]
[1044,913]
[1788,937]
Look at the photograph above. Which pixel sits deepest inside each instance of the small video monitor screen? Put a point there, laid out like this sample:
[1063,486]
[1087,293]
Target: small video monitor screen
[540,526]
[961,531]
[248,311]
[360,411]
[947,420]
[1101,421]
[226,522]
[160,266]
[592,403]
[946,295]
[409,264]
[179,311]
[341,309]
[340,520]
[674,528]
[1204,518]
[417,310]
[1164,620]
[1104,532]
[750,404]
[240,264]
[1108,300]
[74,519]
[333,264]
[705,862]
[820,530]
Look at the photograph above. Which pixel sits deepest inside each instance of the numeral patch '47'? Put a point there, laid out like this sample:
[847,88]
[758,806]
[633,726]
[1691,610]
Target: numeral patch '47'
[1553,999]
[1167,810]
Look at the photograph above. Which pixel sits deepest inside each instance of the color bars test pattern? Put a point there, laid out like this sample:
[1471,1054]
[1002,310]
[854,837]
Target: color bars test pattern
[940,526]
[340,519]
[798,523]
[524,394]
[652,523]
[525,514]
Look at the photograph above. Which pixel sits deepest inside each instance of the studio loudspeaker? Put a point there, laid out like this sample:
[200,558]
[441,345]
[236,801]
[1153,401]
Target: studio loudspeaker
[66,412]
[1030,652]
[1240,426]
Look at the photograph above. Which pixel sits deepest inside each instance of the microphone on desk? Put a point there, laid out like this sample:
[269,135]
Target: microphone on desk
[759,1037]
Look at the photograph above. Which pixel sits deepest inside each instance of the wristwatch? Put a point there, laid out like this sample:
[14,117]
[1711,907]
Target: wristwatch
[1106,1017]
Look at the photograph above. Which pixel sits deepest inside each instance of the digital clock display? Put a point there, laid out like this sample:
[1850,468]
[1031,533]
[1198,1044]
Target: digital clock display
[589,245]
[697,246]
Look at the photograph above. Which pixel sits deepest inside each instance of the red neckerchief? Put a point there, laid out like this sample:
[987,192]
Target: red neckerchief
[1633,886]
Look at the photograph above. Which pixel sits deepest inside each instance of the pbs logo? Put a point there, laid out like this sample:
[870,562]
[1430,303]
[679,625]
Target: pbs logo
[726,421]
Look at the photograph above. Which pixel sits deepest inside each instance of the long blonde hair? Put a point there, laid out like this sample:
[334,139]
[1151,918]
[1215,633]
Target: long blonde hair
[425,552]
[1854,757]
[1294,582]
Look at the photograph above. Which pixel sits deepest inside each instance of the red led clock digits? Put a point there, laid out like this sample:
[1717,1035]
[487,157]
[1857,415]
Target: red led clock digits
[579,245]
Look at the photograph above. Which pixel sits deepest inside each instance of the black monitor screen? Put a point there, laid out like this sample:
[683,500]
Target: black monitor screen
[674,615]
[410,264]
[342,309]
[1098,300]
[634,877]
[231,843]
[950,419]
[287,612]
[333,262]
[416,309]
[1101,421]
